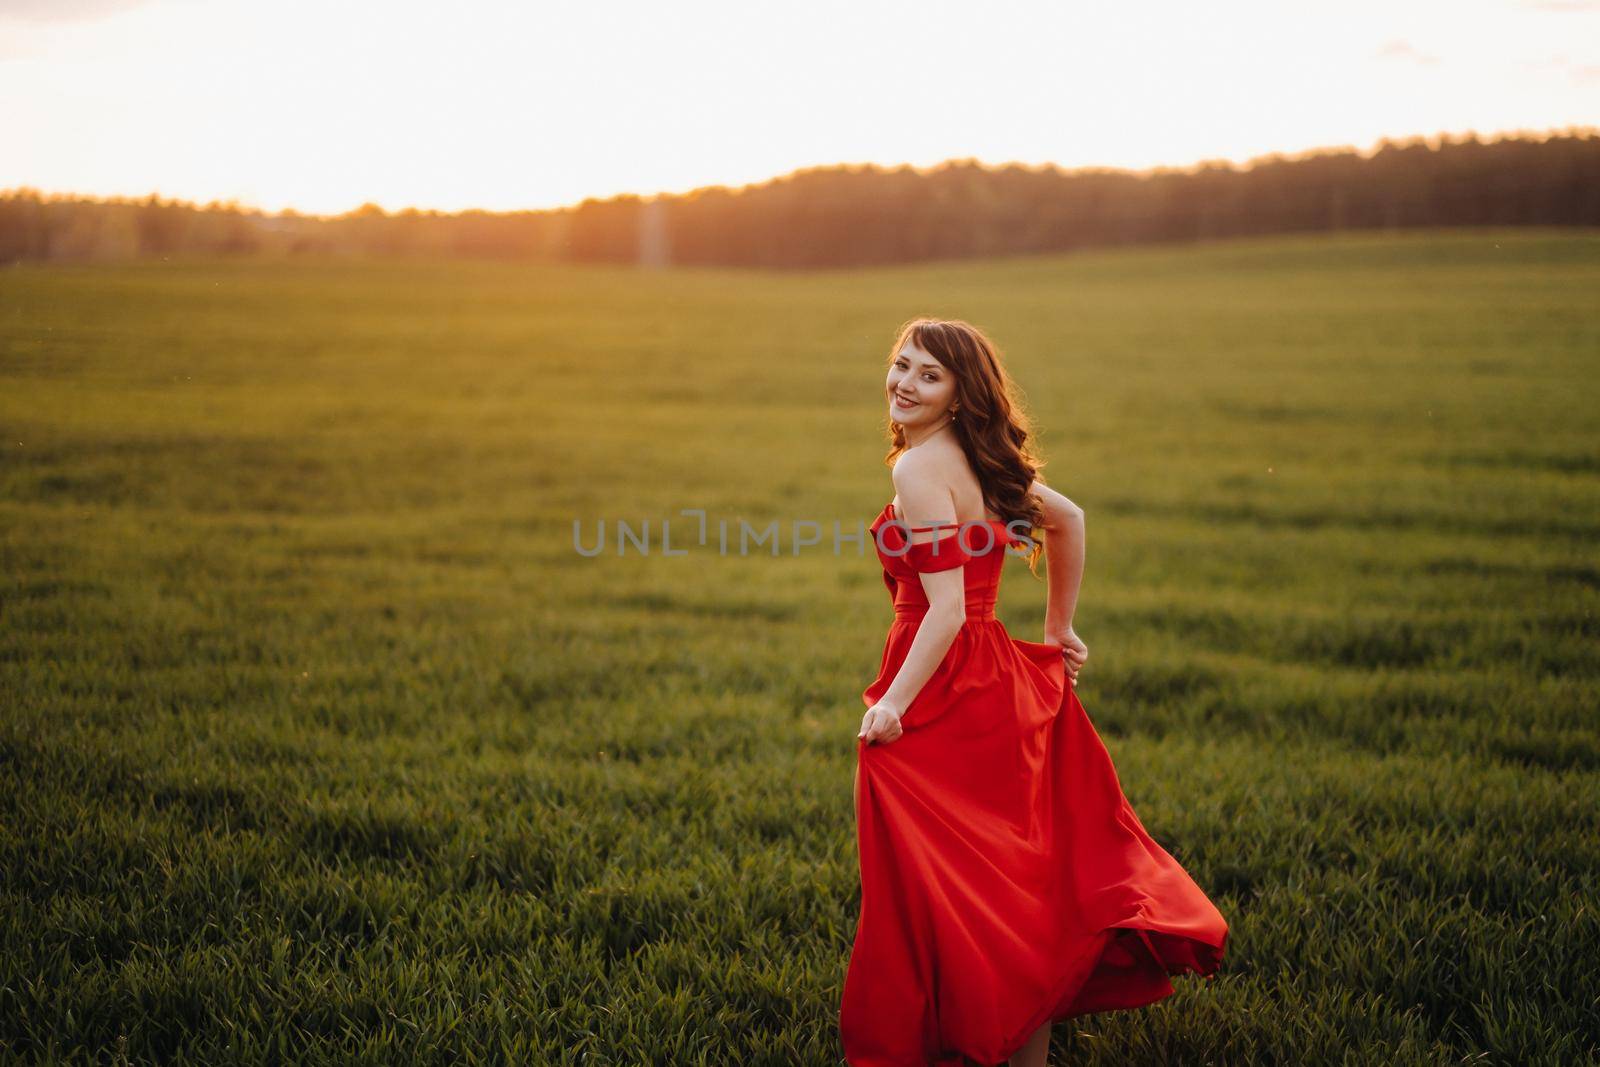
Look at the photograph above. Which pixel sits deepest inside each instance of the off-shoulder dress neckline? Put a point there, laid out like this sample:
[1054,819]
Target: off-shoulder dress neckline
[993,522]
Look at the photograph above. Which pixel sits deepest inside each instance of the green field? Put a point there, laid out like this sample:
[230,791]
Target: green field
[321,742]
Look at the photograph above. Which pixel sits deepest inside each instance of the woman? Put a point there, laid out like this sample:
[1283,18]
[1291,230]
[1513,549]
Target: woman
[1005,881]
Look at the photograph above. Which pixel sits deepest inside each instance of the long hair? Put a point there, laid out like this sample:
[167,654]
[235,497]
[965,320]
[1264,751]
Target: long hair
[991,425]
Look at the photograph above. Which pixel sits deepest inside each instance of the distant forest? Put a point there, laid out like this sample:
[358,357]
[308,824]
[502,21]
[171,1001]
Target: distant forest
[842,216]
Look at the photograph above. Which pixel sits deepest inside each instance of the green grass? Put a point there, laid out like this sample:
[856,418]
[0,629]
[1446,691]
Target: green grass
[321,742]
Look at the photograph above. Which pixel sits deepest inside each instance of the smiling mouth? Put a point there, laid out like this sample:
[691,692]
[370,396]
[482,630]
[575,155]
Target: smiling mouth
[904,402]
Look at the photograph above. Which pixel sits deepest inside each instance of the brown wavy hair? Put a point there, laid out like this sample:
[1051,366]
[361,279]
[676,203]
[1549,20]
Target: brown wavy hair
[991,425]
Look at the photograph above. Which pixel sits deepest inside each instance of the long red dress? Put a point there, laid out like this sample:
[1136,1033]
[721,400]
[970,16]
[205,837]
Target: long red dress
[1005,880]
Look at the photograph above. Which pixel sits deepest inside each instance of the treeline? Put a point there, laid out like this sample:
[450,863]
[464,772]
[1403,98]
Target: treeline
[858,215]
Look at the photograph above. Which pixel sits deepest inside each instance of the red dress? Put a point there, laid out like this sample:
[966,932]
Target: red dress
[1005,880]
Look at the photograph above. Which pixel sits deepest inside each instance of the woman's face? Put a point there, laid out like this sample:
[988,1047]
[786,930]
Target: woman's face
[917,377]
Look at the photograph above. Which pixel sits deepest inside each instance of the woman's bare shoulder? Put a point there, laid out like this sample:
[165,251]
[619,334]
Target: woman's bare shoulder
[927,481]
[941,463]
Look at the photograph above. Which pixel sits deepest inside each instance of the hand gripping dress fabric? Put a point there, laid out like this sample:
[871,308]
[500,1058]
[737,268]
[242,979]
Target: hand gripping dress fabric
[1005,880]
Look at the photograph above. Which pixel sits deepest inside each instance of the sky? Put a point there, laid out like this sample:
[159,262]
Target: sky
[326,105]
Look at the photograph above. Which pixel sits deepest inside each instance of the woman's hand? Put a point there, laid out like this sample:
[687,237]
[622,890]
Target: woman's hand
[1073,651]
[881,723]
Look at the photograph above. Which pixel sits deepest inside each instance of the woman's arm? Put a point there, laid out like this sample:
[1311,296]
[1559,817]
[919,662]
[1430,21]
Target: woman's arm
[935,634]
[1063,552]
[925,500]
[1064,543]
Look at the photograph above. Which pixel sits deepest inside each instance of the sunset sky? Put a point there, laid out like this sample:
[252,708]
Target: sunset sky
[322,106]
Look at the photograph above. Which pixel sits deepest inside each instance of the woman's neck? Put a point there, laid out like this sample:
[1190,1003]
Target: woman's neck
[910,443]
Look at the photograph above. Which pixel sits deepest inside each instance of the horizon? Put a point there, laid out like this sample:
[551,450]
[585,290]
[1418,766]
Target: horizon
[1433,140]
[508,107]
